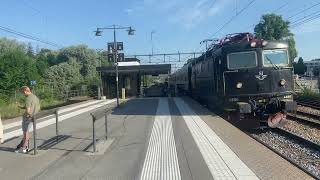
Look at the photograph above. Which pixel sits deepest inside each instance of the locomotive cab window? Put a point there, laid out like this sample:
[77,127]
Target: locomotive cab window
[242,60]
[275,57]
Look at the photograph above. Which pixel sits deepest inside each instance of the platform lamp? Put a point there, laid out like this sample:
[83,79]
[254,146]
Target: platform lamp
[98,32]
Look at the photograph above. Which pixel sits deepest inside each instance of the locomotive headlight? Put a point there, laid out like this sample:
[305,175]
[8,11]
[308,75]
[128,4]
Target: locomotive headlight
[264,43]
[253,44]
[282,82]
[239,85]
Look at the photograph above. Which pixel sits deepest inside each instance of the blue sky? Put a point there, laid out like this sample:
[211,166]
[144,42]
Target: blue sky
[179,25]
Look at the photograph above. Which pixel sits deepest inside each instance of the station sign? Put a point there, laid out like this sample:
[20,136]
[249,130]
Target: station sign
[120,57]
[119,46]
[33,82]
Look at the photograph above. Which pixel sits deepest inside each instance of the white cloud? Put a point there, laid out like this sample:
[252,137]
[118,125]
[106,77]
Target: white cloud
[183,12]
[190,16]
[128,11]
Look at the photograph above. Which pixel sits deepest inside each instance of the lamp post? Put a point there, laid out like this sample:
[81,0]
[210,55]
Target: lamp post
[98,32]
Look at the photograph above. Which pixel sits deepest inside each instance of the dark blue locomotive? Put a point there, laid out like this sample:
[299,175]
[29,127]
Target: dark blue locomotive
[249,78]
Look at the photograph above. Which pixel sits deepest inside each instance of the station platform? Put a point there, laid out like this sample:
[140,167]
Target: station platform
[148,138]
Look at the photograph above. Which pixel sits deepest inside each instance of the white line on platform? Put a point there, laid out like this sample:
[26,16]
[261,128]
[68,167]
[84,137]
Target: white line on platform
[18,123]
[161,160]
[221,160]
[53,120]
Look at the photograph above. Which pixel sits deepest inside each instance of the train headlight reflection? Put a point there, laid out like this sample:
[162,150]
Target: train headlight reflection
[239,85]
[282,82]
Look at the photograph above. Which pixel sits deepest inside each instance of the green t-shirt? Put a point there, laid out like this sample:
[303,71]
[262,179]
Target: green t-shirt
[33,102]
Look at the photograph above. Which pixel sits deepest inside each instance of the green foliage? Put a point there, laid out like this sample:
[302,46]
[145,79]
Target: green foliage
[316,71]
[48,56]
[299,68]
[308,93]
[16,70]
[64,75]
[61,70]
[7,44]
[273,27]
[10,109]
[83,62]
[292,48]
[83,55]
[30,52]
[103,58]
[65,69]
[45,95]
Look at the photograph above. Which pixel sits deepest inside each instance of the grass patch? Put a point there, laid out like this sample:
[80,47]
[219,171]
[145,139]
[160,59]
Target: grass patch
[11,109]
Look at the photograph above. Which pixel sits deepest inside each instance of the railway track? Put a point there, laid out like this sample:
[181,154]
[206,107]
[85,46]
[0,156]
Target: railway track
[308,102]
[305,117]
[299,151]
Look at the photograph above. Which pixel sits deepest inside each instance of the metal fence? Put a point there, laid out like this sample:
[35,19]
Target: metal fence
[50,92]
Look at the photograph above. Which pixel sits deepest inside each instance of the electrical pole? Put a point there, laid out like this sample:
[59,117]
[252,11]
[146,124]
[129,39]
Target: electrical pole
[116,61]
[130,30]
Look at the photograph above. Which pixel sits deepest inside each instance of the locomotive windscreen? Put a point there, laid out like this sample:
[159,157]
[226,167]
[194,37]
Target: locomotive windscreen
[242,60]
[275,58]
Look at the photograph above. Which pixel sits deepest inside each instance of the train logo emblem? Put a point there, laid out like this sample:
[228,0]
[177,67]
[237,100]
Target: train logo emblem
[261,76]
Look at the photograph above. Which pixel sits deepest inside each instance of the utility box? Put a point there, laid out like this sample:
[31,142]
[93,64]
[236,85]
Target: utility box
[123,93]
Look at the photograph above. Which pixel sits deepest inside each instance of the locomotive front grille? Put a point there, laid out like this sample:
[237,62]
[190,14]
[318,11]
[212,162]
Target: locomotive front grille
[257,82]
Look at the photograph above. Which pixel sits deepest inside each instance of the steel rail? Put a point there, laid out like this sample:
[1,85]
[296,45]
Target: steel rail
[284,156]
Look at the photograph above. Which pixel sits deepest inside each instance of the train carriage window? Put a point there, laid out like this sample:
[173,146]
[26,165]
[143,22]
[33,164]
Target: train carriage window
[242,60]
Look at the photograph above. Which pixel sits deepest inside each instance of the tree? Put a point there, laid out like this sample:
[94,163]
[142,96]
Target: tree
[316,71]
[64,76]
[299,68]
[292,50]
[83,55]
[273,27]
[87,58]
[7,44]
[16,70]
[30,51]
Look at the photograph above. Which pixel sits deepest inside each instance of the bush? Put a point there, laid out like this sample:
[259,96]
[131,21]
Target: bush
[45,95]
[307,93]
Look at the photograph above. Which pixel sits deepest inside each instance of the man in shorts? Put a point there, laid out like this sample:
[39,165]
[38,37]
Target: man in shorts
[32,106]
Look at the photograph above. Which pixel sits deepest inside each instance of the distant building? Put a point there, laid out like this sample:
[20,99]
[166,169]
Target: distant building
[311,65]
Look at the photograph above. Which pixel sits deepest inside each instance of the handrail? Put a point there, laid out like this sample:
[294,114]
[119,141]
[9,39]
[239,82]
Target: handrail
[39,115]
[99,114]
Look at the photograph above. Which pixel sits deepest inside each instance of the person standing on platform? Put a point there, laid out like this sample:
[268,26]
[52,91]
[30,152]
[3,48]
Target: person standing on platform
[32,107]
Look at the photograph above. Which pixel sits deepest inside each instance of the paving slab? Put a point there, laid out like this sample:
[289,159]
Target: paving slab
[262,161]
[123,155]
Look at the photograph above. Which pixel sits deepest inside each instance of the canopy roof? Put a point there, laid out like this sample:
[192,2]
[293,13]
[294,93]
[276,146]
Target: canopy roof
[154,69]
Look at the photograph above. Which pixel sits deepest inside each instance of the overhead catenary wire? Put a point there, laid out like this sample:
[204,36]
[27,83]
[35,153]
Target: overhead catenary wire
[305,20]
[304,10]
[39,12]
[305,17]
[233,17]
[8,30]
[274,11]
[281,7]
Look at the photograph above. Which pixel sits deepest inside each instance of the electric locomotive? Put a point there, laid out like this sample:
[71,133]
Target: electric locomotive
[251,79]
